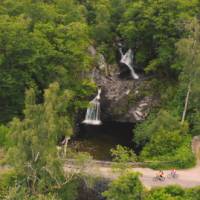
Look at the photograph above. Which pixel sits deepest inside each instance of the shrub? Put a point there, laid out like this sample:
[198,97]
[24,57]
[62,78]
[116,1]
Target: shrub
[162,122]
[181,157]
[125,187]
[7,180]
[3,135]
[168,193]
[162,144]
[193,194]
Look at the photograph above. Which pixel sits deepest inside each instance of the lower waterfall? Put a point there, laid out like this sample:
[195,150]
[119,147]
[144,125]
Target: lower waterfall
[93,111]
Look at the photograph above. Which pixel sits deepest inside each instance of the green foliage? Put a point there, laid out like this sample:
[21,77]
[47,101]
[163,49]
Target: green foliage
[168,193]
[180,157]
[82,159]
[125,187]
[188,50]
[34,154]
[162,122]
[141,134]
[193,194]
[152,28]
[166,142]
[46,41]
[3,135]
[15,193]
[46,197]
[102,28]
[173,99]
[163,143]
[194,119]
[7,180]
[173,193]
[52,46]
[156,130]
[69,191]
[123,156]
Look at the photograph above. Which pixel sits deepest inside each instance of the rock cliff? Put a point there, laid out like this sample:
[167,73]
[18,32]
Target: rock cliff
[124,99]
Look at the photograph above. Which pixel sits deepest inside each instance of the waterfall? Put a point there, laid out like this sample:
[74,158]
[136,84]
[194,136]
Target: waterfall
[127,59]
[93,111]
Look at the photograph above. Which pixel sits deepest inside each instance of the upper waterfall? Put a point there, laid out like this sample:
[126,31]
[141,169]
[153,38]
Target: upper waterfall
[127,59]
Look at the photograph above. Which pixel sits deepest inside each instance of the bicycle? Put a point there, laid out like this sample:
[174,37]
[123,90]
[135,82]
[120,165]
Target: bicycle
[172,175]
[158,178]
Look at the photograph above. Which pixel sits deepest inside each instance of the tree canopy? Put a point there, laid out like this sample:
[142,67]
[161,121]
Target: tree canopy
[45,82]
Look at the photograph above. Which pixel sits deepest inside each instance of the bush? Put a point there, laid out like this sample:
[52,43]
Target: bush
[162,144]
[7,180]
[124,188]
[167,142]
[181,157]
[163,121]
[122,156]
[68,191]
[173,192]
[3,135]
[193,194]
[168,193]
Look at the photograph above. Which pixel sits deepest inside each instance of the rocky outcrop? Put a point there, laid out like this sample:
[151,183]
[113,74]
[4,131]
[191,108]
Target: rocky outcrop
[125,100]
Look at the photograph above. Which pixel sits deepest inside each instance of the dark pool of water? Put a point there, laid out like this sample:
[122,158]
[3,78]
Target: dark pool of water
[98,140]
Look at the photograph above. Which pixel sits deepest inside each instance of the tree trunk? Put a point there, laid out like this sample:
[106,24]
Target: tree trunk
[186,103]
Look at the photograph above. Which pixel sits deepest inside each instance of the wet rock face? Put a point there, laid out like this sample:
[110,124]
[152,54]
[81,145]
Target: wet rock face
[124,100]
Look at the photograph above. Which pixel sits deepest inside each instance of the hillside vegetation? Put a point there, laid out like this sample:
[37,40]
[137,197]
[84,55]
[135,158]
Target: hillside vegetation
[44,83]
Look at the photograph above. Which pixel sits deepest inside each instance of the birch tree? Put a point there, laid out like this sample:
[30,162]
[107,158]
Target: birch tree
[189,51]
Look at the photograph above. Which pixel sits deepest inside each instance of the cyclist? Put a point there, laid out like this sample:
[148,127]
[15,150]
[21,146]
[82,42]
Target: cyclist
[161,174]
[173,172]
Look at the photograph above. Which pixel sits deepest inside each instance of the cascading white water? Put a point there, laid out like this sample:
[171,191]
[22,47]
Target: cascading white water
[93,111]
[127,59]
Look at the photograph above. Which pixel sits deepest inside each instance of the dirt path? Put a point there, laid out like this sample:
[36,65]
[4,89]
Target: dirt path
[187,178]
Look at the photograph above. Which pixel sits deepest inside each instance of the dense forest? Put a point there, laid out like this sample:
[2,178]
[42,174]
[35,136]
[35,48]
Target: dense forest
[45,85]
